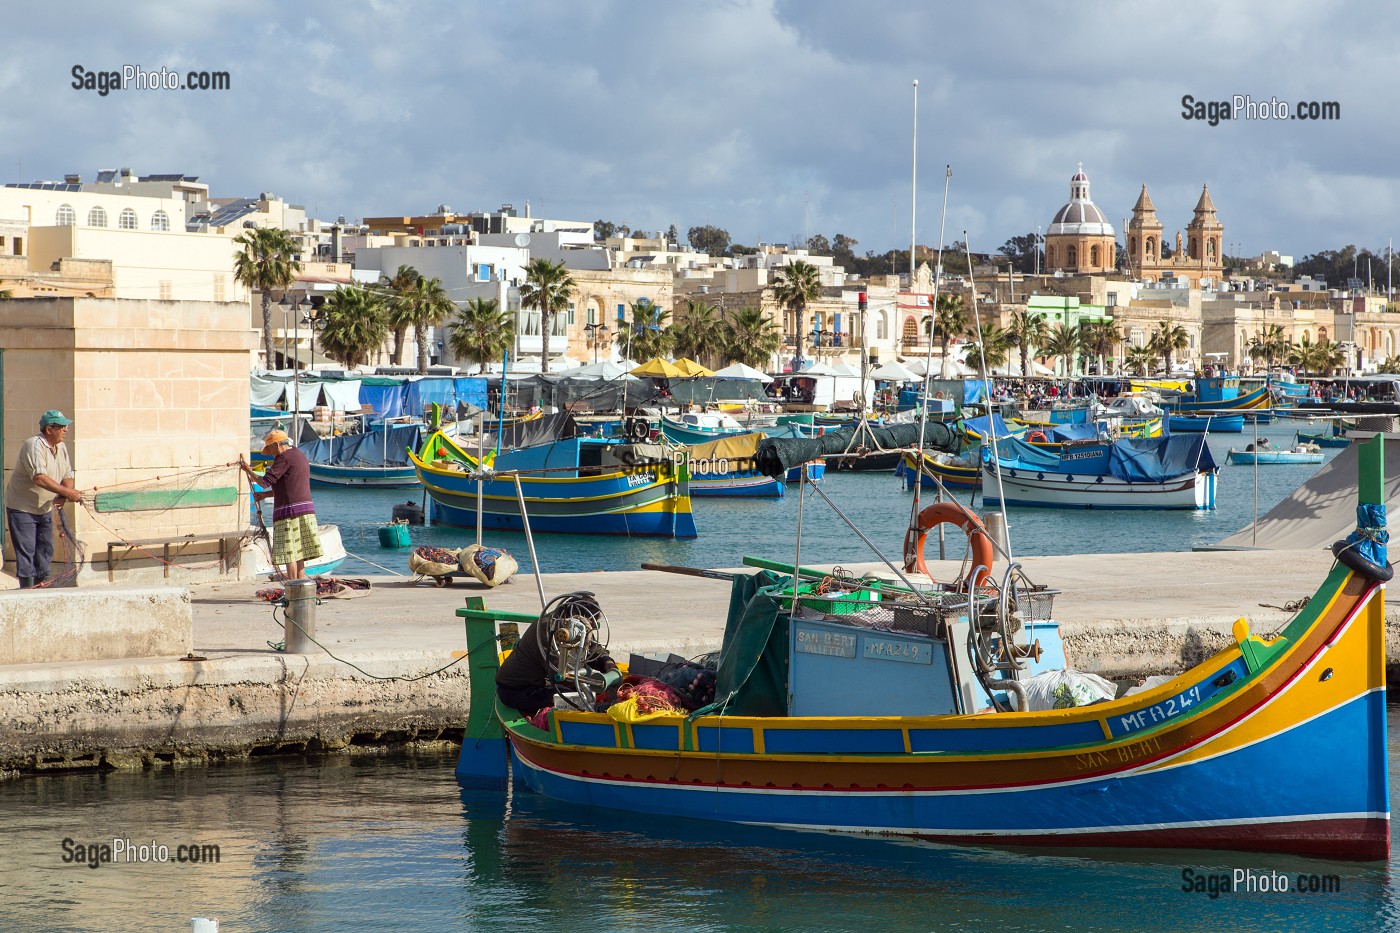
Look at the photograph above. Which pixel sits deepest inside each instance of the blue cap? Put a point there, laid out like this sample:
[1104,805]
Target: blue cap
[53,416]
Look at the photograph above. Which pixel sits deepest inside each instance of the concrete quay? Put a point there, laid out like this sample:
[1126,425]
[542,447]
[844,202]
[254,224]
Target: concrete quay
[1123,616]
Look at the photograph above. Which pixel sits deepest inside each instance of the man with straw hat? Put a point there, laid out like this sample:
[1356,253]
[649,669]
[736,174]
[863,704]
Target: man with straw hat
[295,537]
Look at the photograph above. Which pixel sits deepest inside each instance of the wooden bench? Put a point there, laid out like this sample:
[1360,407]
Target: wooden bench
[222,543]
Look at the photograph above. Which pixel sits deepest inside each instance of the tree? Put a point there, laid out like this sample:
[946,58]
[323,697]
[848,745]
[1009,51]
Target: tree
[989,347]
[948,320]
[708,239]
[1063,343]
[1029,330]
[646,335]
[547,288]
[1270,343]
[481,332]
[1098,338]
[1168,340]
[818,245]
[353,324]
[752,338]
[399,307]
[700,334]
[1141,359]
[795,286]
[843,250]
[1319,358]
[673,235]
[427,305]
[266,263]
[1022,251]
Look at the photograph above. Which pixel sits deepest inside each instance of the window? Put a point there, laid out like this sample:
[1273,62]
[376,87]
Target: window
[1072,257]
[1132,244]
[528,323]
[97,217]
[219,285]
[165,290]
[1151,247]
[571,312]
[1093,256]
[1195,252]
[911,330]
[65,216]
[1050,256]
[1210,249]
[160,221]
[126,220]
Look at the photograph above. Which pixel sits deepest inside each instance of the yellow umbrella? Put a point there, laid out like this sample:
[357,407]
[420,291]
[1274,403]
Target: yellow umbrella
[659,368]
[692,368]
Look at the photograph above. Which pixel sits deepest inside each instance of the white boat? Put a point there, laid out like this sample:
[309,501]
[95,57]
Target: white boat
[1174,472]
[332,554]
[1302,453]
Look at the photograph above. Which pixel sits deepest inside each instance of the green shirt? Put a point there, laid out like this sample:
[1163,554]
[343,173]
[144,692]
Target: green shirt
[36,458]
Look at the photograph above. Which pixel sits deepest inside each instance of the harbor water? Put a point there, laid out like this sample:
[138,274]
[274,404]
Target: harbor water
[381,841]
[877,503]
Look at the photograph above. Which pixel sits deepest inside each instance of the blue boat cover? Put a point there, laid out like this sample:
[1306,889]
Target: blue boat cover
[386,400]
[1136,460]
[974,390]
[980,423]
[378,448]
[1074,432]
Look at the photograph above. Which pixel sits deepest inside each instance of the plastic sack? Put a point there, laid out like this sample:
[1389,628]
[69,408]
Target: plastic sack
[490,565]
[1064,689]
[628,711]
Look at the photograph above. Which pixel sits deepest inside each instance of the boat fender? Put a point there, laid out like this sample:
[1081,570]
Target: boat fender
[638,430]
[410,512]
[953,514]
[1364,550]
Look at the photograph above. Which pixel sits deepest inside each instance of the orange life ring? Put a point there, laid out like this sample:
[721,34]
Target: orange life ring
[1036,437]
[953,514]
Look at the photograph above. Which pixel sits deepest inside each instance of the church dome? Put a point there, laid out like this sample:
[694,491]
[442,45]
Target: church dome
[1080,217]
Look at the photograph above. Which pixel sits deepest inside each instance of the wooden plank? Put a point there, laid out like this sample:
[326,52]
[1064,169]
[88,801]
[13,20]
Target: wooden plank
[161,499]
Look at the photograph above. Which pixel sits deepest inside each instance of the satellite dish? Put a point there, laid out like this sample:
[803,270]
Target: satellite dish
[522,239]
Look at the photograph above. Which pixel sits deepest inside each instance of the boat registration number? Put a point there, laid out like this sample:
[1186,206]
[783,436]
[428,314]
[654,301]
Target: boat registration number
[640,479]
[891,649]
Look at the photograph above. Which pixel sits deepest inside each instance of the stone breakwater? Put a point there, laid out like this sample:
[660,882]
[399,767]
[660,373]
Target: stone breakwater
[1125,617]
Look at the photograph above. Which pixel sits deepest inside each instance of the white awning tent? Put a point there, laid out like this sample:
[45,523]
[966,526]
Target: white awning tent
[342,396]
[604,371]
[894,371]
[842,368]
[741,371]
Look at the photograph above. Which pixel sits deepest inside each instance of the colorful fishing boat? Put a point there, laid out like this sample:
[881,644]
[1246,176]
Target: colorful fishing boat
[724,468]
[377,457]
[1335,439]
[1201,423]
[576,485]
[952,471]
[844,705]
[1172,472]
[698,427]
[1218,393]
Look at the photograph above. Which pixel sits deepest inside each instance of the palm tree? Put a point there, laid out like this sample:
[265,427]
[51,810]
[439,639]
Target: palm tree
[1318,358]
[647,335]
[1142,359]
[1271,344]
[481,332]
[1063,343]
[752,338]
[426,305]
[948,320]
[990,347]
[266,263]
[797,285]
[1168,340]
[353,324]
[701,333]
[399,306]
[1098,338]
[1029,329]
[547,288]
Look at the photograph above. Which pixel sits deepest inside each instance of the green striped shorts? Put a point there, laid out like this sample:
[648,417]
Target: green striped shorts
[295,539]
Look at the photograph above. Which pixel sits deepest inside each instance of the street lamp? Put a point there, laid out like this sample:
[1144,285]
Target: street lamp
[597,336]
[311,319]
[288,303]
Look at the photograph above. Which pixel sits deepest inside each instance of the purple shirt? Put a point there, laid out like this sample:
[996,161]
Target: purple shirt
[290,479]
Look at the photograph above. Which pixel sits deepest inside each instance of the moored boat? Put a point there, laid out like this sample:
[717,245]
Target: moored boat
[725,468]
[1302,453]
[1172,472]
[846,705]
[1201,423]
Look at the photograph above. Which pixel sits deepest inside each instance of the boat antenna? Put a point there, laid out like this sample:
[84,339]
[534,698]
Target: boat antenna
[928,374]
[991,400]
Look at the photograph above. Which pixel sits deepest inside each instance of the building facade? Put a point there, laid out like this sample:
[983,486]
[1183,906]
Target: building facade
[1198,258]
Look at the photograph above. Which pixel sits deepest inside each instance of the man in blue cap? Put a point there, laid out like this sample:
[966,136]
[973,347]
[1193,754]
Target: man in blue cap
[42,476]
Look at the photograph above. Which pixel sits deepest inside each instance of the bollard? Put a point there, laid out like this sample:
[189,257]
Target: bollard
[301,616]
[996,530]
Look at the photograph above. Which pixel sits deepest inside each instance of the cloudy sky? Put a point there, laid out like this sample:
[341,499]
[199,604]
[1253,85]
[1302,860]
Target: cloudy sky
[774,119]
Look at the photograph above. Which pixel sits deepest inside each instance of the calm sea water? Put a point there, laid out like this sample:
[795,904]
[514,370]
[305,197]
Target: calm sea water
[391,843]
[729,529]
